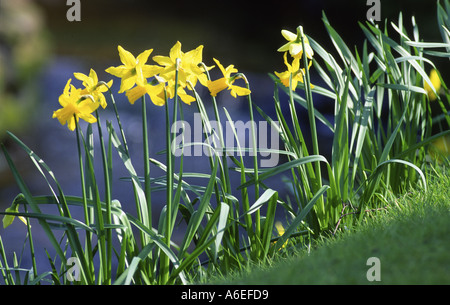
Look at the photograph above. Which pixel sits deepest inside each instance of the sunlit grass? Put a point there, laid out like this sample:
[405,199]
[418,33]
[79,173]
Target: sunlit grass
[409,237]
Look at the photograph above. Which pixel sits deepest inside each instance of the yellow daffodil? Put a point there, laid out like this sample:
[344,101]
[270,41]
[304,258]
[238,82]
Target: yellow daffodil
[188,65]
[280,230]
[156,93]
[186,98]
[75,106]
[93,87]
[436,82]
[294,70]
[191,64]
[134,70]
[226,82]
[294,44]
[170,64]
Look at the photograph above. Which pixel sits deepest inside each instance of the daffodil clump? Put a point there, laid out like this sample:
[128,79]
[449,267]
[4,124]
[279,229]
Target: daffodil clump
[374,157]
[158,81]
[139,78]
[169,77]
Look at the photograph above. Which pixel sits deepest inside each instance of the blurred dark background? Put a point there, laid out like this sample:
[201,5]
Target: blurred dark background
[245,33]
[37,40]
[40,49]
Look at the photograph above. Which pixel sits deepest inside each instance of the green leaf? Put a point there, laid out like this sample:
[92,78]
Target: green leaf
[127,276]
[223,217]
[198,215]
[266,196]
[409,88]
[285,166]
[299,218]
[123,154]
[26,193]
[159,241]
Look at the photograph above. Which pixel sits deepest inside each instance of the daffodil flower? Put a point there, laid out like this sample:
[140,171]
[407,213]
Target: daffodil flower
[134,70]
[294,44]
[171,63]
[191,64]
[188,65]
[226,82]
[294,70]
[75,106]
[93,87]
[156,93]
[436,82]
[186,98]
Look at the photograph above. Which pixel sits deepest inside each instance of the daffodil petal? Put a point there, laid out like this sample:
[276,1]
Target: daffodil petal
[295,49]
[186,98]
[126,84]
[289,35]
[150,70]
[120,71]
[163,60]
[80,76]
[284,77]
[126,57]
[220,66]
[309,51]
[156,94]
[285,47]
[143,57]
[175,52]
[93,76]
[239,90]
[203,79]
[71,123]
[194,55]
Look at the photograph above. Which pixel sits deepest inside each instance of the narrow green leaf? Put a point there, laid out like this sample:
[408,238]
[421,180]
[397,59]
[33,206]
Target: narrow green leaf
[24,189]
[159,241]
[197,217]
[224,210]
[285,166]
[266,196]
[299,218]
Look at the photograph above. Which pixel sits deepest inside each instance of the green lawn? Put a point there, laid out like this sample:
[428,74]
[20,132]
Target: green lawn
[411,241]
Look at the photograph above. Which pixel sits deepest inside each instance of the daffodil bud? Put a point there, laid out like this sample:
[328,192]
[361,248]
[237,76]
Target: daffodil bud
[300,32]
[14,208]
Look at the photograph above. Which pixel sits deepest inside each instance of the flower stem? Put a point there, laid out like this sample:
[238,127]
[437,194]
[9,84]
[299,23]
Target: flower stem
[164,275]
[107,173]
[85,204]
[312,121]
[255,168]
[147,186]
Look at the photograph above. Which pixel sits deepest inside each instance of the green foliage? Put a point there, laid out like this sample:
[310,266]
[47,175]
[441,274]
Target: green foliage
[382,126]
[409,238]
[382,123]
